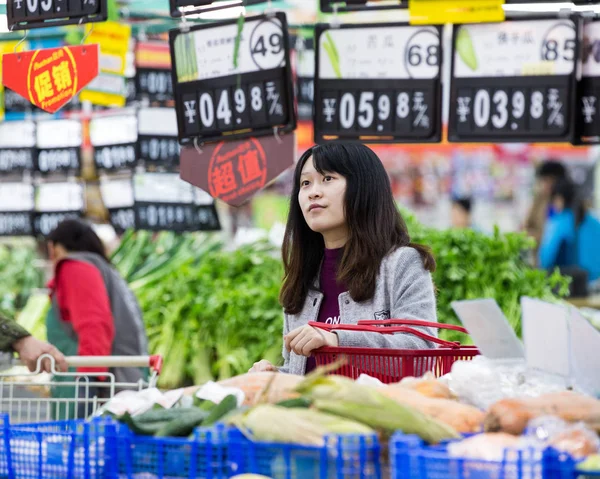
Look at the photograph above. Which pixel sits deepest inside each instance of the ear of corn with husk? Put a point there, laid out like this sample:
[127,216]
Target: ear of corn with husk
[294,425]
[343,397]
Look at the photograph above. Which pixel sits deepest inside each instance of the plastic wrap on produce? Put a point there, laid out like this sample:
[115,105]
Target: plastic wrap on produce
[482,382]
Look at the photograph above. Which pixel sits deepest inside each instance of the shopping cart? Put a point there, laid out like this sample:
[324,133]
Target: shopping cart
[391,365]
[38,397]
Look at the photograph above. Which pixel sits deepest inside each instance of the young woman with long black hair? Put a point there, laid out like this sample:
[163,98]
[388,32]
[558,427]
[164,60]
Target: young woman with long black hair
[348,257]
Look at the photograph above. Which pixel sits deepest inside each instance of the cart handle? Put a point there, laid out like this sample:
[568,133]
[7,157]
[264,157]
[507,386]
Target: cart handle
[154,362]
[388,330]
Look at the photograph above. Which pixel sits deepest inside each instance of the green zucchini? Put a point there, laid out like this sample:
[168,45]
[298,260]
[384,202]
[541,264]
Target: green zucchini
[183,425]
[298,402]
[142,429]
[222,409]
[162,415]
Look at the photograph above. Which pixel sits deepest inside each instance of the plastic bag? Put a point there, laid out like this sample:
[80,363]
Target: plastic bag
[575,439]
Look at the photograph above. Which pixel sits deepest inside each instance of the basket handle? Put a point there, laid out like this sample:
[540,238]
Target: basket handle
[153,362]
[389,330]
[412,322]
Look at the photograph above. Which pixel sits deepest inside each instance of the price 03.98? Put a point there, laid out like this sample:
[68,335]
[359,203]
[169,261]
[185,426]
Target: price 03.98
[516,111]
[401,112]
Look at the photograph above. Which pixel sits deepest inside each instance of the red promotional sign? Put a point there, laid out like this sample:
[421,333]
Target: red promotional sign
[233,171]
[50,78]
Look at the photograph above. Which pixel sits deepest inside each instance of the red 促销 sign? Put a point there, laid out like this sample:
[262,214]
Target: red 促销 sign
[50,78]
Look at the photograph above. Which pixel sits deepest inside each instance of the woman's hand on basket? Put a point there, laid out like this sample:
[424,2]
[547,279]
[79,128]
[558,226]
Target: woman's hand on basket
[30,349]
[263,366]
[305,339]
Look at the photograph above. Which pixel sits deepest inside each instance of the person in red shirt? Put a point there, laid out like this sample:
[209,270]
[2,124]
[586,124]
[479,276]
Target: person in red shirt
[93,311]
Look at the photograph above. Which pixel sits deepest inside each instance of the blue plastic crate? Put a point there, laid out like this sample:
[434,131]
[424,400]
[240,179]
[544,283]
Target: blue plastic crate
[411,458]
[56,450]
[342,457]
[4,424]
[144,457]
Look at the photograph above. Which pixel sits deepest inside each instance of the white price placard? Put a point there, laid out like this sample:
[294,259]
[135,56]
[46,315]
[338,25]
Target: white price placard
[17,134]
[202,198]
[585,344]
[59,134]
[117,192]
[374,52]
[591,49]
[162,188]
[16,196]
[209,52]
[113,130]
[157,122]
[516,48]
[57,197]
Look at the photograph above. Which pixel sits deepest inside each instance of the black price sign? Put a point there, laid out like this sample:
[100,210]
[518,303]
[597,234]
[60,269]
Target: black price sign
[176,217]
[157,137]
[114,139]
[304,55]
[214,98]
[366,90]
[122,219]
[588,123]
[17,146]
[16,209]
[55,202]
[59,146]
[155,84]
[28,14]
[500,96]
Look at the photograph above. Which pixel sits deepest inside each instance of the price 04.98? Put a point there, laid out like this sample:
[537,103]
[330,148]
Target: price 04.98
[228,109]
[378,112]
[518,110]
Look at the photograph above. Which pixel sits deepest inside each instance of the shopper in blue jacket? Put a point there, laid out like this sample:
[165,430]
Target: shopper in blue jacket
[572,234]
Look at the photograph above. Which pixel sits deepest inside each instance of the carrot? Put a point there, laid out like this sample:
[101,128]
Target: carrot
[513,415]
[461,417]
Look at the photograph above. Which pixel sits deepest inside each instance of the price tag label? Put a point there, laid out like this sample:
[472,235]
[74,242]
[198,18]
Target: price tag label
[59,146]
[55,202]
[114,139]
[153,71]
[117,193]
[304,55]
[28,14]
[499,96]
[17,146]
[157,137]
[589,86]
[221,90]
[365,89]
[16,209]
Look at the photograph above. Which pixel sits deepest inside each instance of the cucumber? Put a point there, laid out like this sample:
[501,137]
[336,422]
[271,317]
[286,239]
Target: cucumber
[183,425]
[162,415]
[298,402]
[223,408]
[142,429]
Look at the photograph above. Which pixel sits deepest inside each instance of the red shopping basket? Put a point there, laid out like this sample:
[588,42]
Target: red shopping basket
[391,365]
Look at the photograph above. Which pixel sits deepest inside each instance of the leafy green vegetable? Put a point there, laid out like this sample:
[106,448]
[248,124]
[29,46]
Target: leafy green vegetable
[465,48]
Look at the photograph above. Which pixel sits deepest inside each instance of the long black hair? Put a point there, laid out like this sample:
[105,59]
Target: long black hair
[375,226]
[77,236]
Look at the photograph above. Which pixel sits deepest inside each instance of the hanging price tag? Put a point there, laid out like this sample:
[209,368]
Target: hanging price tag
[153,78]
[225,91]
[304,59]
[55,202]
[114,139]
[499,96]
[378,83]
[589,86]
[164,202]
[28,14]
[16,209]
[59,146]
[157,137]
[17,143]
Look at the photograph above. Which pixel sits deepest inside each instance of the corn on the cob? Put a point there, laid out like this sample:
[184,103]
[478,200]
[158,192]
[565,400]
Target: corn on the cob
[291,425]
[343,397]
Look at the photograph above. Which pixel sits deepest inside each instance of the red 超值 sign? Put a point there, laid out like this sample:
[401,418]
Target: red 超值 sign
[50,78]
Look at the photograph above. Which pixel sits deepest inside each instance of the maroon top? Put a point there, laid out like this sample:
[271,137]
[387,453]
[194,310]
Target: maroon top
[330,307]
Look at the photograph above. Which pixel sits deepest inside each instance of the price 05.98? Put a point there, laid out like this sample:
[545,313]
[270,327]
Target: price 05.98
[378,112]
[518,110]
